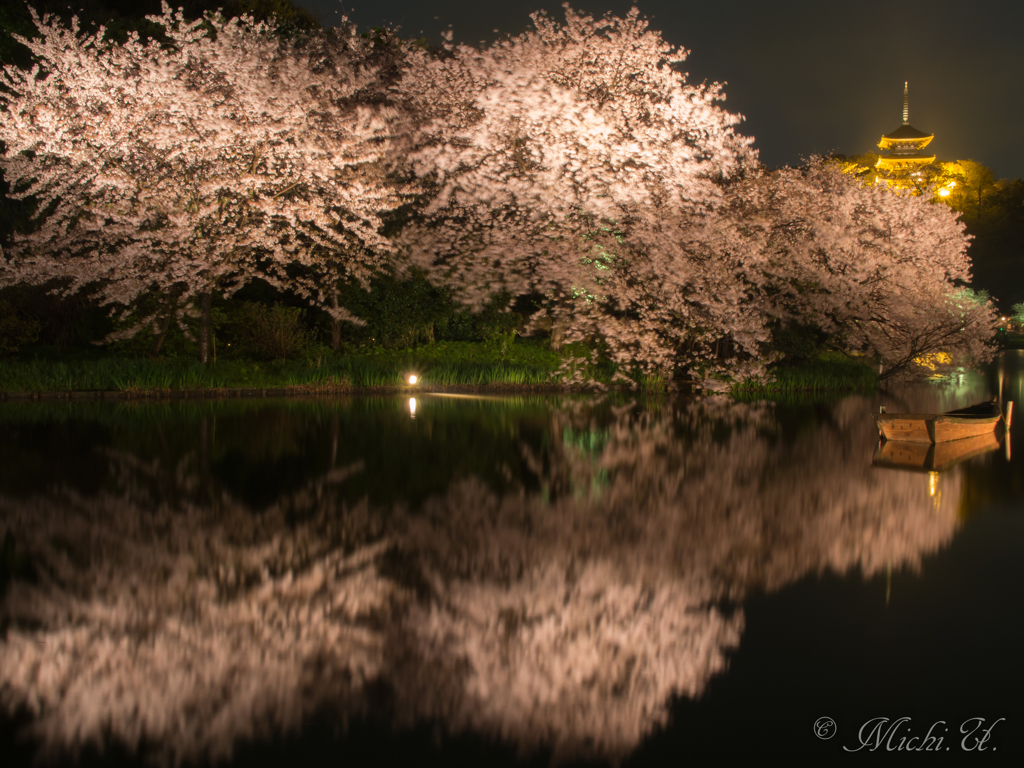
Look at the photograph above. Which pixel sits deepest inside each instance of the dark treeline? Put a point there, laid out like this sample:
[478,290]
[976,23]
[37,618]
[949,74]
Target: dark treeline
[998,230]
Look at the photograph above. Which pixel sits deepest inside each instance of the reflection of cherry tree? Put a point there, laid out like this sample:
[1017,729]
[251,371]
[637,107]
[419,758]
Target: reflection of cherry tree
[565,618]
[190,627]
[572,622]
[564,645]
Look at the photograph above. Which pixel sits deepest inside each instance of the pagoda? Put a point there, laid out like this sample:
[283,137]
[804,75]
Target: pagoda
[905,144]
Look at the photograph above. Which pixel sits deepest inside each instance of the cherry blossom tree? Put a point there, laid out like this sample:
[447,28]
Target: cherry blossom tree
[575,162]
[190,165]
[881,270]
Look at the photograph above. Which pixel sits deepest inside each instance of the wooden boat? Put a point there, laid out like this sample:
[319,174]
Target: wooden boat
[932,457]
[980,419]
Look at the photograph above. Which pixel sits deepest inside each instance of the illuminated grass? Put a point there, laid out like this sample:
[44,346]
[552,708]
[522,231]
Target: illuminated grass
[523,364]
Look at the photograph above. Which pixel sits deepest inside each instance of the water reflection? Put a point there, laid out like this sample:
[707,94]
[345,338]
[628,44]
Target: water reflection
[573,568]
[934,457]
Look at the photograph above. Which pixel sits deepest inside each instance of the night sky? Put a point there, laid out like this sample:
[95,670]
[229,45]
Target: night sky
[809,76]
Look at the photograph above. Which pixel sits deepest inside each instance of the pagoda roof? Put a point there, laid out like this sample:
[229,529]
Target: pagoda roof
[907,132]
[897,161]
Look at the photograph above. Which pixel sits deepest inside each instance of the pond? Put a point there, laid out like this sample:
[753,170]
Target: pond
[506,580]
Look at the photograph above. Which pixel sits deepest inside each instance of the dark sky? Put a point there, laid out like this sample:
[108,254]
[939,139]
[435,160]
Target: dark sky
[810,76]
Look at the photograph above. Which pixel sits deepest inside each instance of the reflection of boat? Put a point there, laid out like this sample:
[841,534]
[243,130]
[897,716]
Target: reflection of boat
[976,420]
[932,457]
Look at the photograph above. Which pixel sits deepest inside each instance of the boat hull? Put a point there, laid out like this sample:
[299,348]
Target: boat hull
[939,428]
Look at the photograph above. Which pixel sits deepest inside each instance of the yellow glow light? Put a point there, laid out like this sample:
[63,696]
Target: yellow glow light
[412,407]
[943,192]
[413,378]
[933,360]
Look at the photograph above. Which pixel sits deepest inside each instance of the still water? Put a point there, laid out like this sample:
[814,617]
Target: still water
[522,580]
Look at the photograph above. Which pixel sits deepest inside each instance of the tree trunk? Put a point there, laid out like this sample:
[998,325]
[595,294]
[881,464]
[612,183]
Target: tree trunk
[557,335]
[335,324]
[205,323]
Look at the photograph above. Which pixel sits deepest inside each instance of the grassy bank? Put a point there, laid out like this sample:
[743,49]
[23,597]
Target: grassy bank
[828,372]
[523,365]
[446,364]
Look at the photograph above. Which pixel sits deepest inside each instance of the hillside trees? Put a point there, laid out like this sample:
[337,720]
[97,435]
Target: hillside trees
[191,166]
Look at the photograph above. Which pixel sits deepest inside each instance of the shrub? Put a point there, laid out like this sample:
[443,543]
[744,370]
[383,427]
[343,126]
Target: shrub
[16,330]
[275,332]
[796,341]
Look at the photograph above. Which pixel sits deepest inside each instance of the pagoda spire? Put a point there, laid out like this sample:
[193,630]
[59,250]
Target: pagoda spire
[905,158]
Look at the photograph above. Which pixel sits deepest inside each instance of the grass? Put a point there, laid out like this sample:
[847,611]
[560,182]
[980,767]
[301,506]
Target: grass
[829,372]
[523,364]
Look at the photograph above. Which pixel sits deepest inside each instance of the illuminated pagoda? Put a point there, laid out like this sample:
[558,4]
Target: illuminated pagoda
[905,146]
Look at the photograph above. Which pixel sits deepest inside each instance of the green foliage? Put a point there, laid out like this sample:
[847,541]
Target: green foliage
[16,330]
[272,333]
[796,341]
[971,189]
[965,296]
[397,313]
[64,322]
[502,343]
[864,167]
[407,313]
[177,341]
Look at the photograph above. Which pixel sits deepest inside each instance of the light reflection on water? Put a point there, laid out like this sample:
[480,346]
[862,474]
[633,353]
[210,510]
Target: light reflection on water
[549,573]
